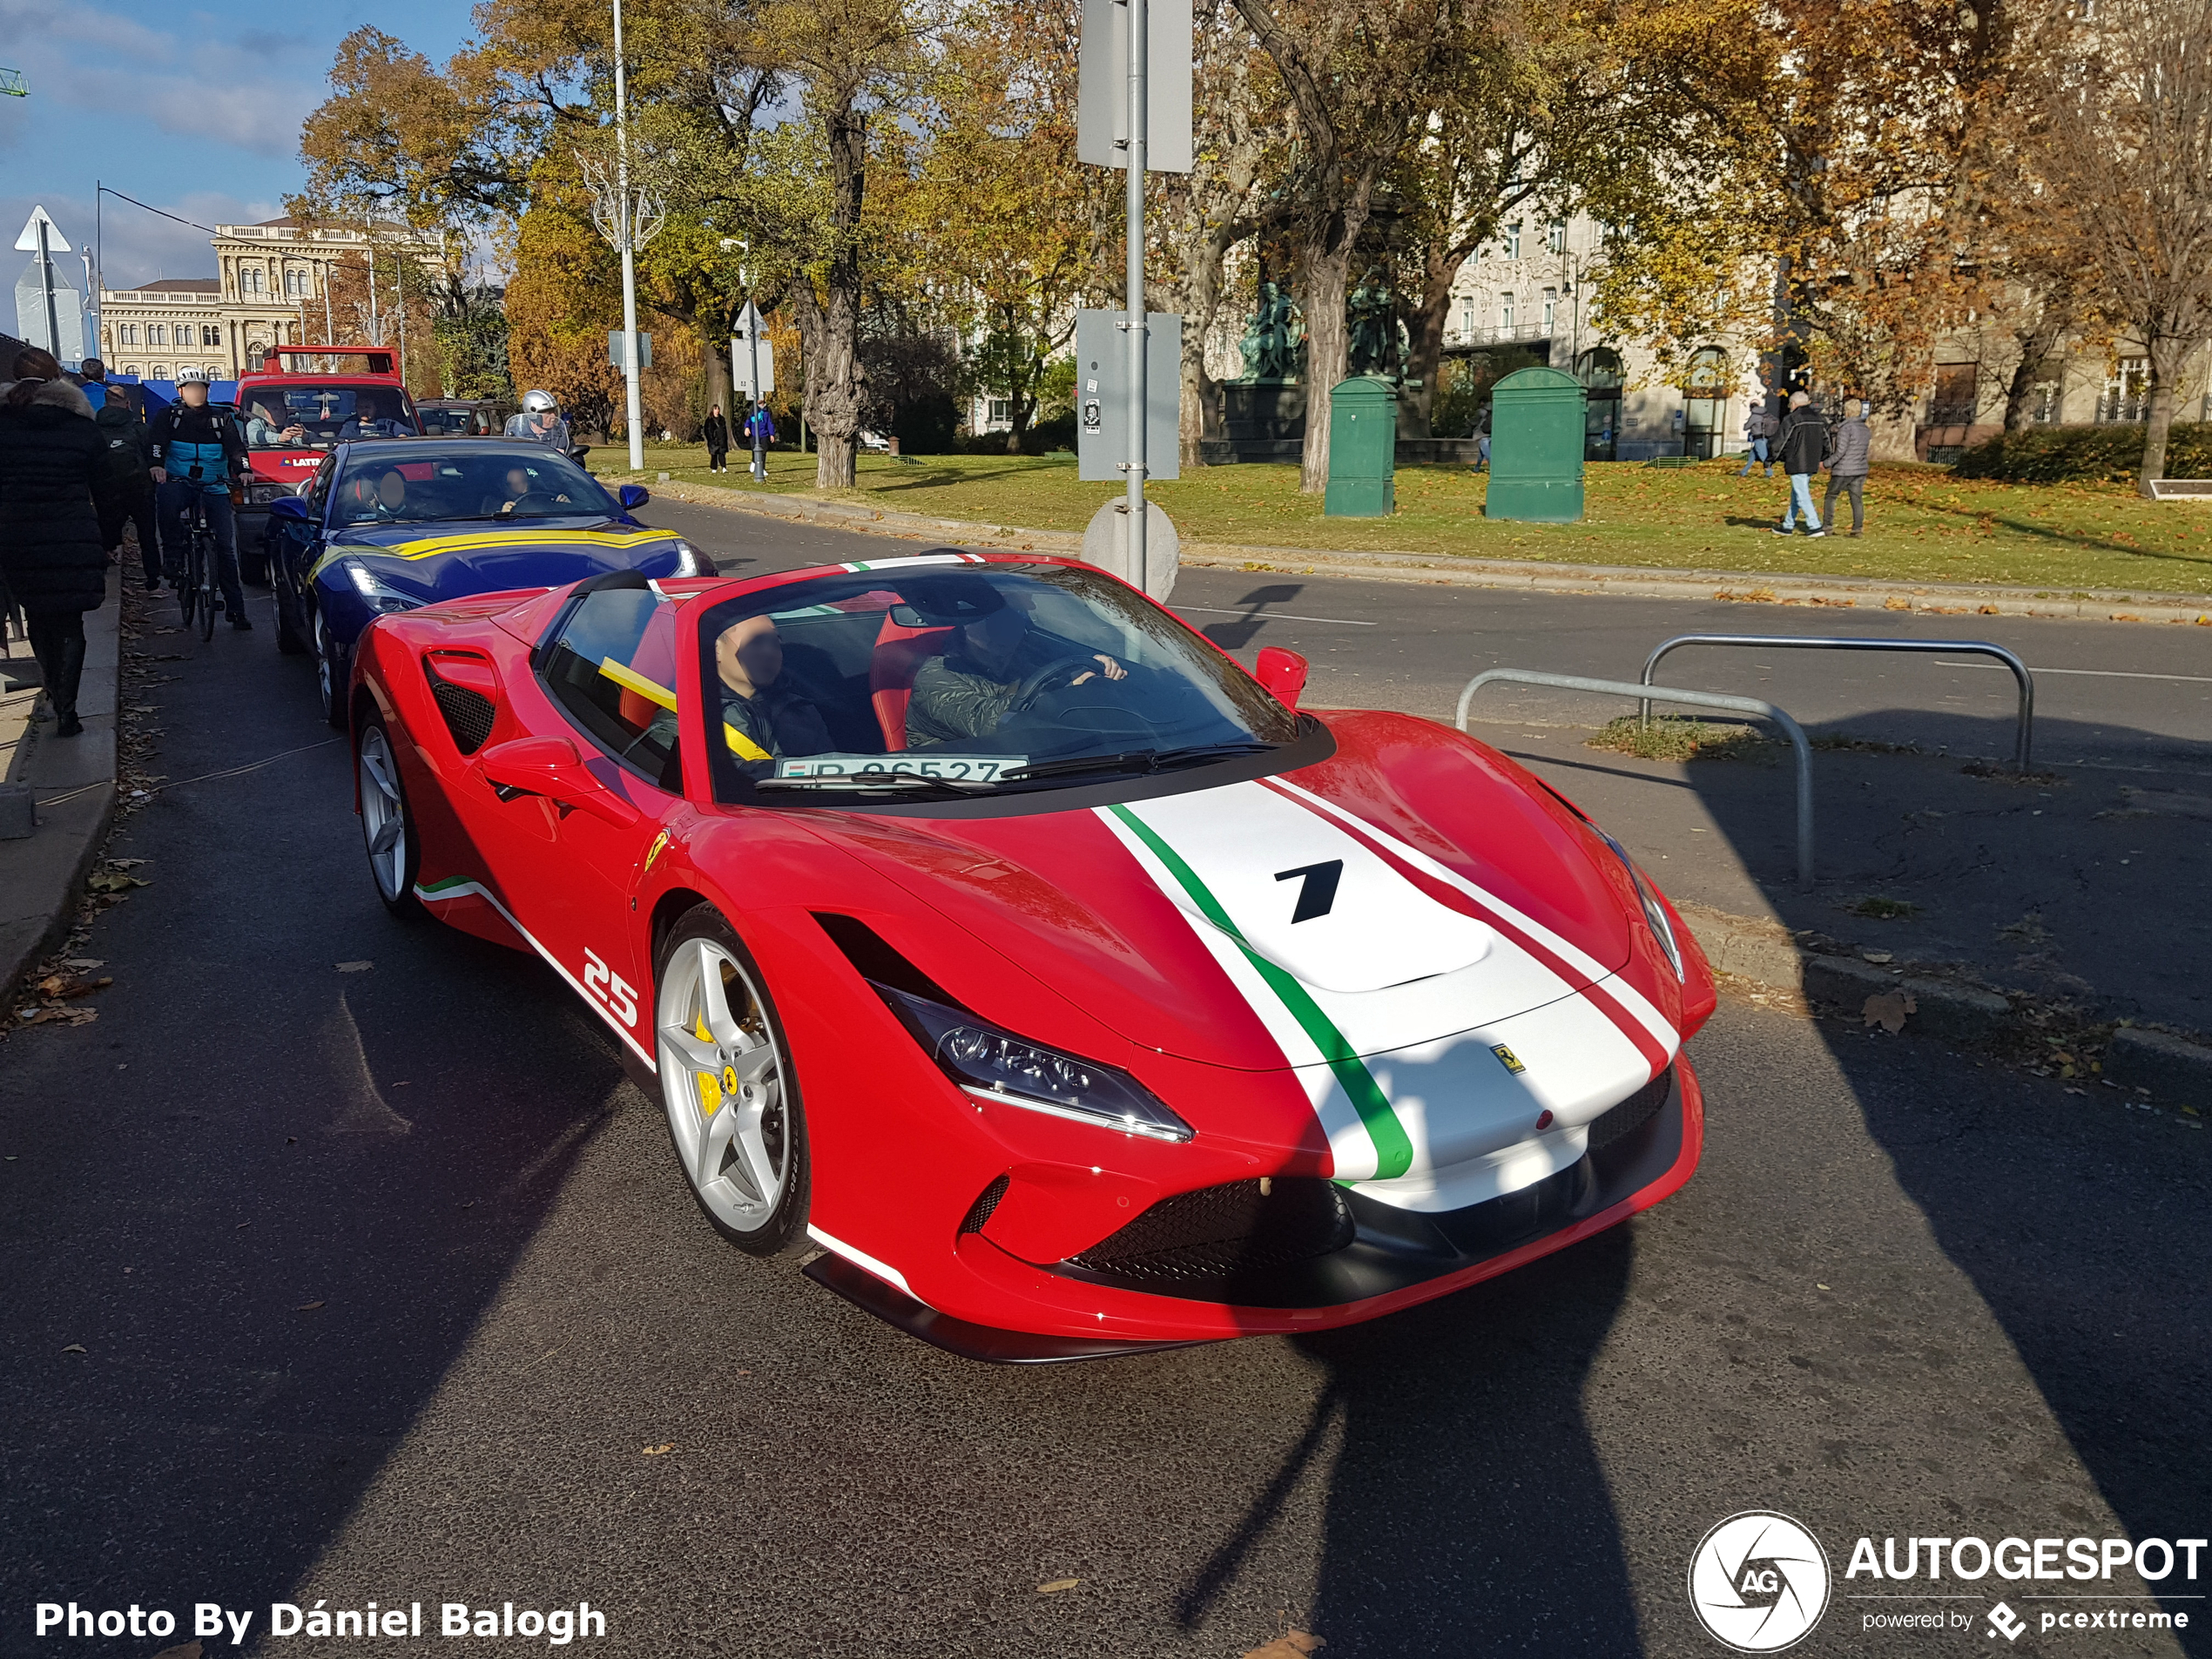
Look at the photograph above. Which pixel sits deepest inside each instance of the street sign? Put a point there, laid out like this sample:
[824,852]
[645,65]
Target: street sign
[1102,396]
[747,355]
[28,242]
[751,324]
[1101,85]
[644,348]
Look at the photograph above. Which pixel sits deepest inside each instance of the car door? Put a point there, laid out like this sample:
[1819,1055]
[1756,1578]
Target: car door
[569,857]
[295,544]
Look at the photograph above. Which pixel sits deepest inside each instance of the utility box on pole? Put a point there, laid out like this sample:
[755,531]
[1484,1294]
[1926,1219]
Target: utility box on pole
[1102,396]
[1537,421]
[1363,449]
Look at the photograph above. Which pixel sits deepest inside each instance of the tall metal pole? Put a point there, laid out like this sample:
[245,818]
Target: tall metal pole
[329,329]
[46,275]
[1135,285]
[399,292]
[633,405]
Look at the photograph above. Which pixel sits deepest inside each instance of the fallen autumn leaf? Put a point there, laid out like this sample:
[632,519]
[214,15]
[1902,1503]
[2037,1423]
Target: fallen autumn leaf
[1058,1585]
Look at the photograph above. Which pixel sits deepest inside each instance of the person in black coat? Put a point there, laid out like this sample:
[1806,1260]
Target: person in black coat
[716,431]
[126,494]
[50,556]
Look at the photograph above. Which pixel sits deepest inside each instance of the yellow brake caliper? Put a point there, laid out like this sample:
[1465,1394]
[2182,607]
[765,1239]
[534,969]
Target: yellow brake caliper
[710,1084]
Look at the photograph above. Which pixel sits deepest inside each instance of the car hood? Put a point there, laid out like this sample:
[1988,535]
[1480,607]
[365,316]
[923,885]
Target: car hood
[448,561]
[1414,886]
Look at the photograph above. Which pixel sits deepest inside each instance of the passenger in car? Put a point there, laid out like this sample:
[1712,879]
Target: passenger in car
[766,719]
[972,687]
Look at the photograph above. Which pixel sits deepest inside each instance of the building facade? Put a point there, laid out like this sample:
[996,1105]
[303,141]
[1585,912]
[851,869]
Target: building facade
[274,288]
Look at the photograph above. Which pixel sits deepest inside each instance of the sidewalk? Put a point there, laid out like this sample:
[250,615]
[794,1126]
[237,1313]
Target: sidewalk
[1743,587]
[72,782]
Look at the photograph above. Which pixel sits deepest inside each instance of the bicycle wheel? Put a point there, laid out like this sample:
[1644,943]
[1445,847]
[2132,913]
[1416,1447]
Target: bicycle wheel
[208,599]
[188,590]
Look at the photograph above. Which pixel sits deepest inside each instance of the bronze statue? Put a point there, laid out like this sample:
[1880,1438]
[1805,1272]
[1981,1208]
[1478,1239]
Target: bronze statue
[1272,339]
[1379,343]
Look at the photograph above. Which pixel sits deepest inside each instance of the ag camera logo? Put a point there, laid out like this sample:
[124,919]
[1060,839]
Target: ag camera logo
[1758,1582]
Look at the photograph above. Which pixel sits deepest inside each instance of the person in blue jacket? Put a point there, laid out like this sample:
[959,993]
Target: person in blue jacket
[760,431]
[198,449]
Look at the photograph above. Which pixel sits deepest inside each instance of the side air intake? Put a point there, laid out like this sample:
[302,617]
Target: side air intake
[469,713]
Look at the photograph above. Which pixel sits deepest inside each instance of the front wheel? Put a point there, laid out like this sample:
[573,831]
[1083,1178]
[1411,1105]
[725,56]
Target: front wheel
[330,682]
[387,825]
[726,1082]
[207,597]
[289,638]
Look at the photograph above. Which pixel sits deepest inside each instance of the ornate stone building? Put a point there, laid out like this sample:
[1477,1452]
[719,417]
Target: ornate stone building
[274,290]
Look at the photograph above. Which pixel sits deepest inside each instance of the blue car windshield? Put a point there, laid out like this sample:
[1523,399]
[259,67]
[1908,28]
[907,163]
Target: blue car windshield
[472,480]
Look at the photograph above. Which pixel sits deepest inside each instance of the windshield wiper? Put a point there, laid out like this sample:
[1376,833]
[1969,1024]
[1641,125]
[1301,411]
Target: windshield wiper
[1135,760]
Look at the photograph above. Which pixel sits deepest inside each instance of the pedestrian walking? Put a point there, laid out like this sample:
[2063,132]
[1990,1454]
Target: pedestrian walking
[1758,428]
[50,559]
[125,492]
[760,427]
[716,431]
[1803,440]
[1847,464]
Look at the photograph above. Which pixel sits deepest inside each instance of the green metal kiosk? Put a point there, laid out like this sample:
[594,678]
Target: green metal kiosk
[1536,445]
[1363,449]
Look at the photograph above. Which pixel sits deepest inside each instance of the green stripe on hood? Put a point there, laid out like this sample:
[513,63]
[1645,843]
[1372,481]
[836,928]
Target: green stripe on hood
[1393,1151]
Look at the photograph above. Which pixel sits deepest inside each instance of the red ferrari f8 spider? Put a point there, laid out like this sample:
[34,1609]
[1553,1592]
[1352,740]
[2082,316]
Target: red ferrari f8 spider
[1071,987]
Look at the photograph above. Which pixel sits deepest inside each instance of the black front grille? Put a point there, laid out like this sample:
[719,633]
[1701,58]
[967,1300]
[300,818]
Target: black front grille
[1633,1113]
[1226,1233]
[986,1201]
[469,714]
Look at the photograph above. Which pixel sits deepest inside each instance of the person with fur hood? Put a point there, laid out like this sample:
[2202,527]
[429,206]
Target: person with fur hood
[50,556]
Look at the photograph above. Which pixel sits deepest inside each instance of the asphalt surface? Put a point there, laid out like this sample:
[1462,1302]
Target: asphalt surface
[385,1282]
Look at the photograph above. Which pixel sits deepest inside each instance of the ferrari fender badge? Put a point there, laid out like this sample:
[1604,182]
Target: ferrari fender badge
[659,846]
[1509,1060]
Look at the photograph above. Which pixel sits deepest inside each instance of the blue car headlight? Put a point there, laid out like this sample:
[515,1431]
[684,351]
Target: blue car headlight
[378,594]
[995,1065]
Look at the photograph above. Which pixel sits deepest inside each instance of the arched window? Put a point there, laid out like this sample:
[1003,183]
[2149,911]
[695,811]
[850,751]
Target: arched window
[161,371]
[1600,367]
[157,334]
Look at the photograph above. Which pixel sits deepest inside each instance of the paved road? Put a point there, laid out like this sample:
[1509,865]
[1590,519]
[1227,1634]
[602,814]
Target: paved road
[385,1279]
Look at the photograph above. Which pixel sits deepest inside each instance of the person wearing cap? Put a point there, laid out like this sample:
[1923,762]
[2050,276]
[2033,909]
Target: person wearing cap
[967,690]
[198,450]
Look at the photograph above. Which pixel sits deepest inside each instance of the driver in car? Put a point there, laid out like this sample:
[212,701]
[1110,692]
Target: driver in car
[770,719]
[966,692]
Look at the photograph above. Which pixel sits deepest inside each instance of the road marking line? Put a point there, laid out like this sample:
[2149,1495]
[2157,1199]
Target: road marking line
[2092,673]
[1276,616]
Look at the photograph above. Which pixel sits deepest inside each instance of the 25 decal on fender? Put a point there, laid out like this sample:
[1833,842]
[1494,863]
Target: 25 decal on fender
[608,989]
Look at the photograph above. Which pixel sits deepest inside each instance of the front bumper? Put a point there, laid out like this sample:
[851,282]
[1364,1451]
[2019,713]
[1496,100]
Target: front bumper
[1391,1259]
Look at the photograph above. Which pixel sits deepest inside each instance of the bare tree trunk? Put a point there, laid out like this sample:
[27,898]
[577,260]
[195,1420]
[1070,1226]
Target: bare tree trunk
[1325,263]
[2166,356]
[2036,344]
[829,327]
[1426,353]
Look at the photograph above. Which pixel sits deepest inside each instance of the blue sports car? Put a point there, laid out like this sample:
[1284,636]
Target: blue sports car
[391,525]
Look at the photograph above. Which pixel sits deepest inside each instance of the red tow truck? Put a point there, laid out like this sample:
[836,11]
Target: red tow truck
[301,401]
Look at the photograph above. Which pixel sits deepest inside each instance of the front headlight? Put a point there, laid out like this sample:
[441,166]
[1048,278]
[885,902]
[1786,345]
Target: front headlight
[381,596]
[991,1064]
[690,561]
[1654,914]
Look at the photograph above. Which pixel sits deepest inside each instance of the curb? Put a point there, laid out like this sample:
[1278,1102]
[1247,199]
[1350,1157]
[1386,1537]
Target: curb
[2171,1069]
[1742,587]
[43,876]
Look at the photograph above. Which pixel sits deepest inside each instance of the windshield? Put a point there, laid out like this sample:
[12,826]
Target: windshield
[315,415]
[453,423]
[474,481]
[941,677]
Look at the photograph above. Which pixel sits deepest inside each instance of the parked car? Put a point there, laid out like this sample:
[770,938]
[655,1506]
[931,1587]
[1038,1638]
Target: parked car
[460,417]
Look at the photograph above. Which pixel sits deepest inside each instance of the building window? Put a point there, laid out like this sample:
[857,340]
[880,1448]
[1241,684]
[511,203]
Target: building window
[1513,241]
[161,371]
[1555,238]
[2127,393]
[130,368]
[2044,402]
[1956,391]
[1551,309]
[1505,312]
[210,336]
[250,279]
[157,334]
[1467,317]
[126,334]
[1001,409]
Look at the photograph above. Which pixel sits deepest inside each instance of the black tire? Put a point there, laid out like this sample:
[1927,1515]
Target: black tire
[289,639]
[778,1225]
[207,608]
[254,569]
[330,676]
[375,762]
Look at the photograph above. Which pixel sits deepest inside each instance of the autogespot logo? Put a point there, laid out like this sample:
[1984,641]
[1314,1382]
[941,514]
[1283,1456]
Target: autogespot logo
[1759,1581]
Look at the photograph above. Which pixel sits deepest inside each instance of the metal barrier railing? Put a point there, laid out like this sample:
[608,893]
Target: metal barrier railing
[1646,693]
[2023,740]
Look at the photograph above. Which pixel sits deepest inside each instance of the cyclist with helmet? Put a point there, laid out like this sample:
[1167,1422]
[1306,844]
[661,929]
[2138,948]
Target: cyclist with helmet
[197,450]
[540,422]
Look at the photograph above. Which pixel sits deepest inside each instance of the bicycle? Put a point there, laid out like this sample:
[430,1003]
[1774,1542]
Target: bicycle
[200,593]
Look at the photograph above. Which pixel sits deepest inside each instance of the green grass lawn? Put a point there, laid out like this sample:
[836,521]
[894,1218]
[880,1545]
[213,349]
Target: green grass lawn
[1923,524]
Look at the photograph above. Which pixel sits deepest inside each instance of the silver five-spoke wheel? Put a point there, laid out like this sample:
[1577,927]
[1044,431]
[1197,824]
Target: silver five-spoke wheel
[723,1081]
[384,821]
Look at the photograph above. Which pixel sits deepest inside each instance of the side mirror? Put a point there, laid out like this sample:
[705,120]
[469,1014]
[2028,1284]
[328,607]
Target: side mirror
[292,507]
[551,767]
[1284,673]
[633,496]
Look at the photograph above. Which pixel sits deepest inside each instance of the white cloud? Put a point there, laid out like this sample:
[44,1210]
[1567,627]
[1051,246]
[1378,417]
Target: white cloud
[200,82]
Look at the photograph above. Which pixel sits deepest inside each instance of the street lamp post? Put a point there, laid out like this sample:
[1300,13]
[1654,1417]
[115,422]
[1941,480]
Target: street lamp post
[628,221]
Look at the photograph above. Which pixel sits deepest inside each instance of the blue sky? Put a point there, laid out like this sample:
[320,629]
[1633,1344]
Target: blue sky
[196,110]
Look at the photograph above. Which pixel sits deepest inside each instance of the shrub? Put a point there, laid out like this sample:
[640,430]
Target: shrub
[2086,455]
